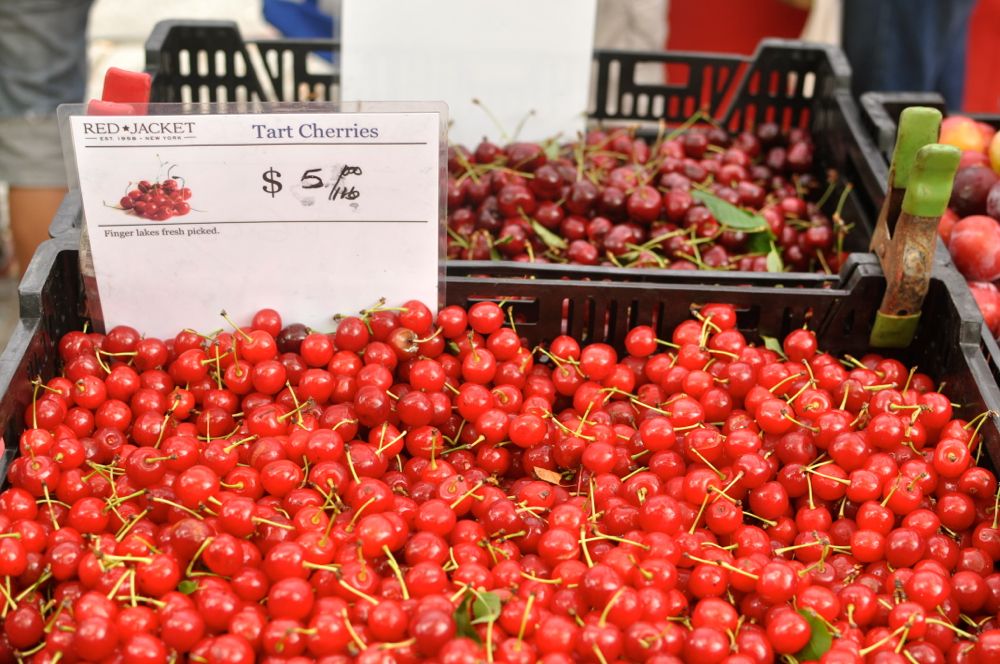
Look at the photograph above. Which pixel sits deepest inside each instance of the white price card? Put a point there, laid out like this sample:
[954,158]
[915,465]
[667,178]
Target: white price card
[526,61]
[313,214]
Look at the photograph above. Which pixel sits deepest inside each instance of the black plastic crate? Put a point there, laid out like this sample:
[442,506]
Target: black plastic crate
[550,300]
[209,61]
[881,117]
[51,304]
[791,83]
[881,111]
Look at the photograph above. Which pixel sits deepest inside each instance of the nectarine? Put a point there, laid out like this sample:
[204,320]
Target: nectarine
[962,132]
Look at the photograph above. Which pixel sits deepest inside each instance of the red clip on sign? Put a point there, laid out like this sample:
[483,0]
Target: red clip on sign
[125,93]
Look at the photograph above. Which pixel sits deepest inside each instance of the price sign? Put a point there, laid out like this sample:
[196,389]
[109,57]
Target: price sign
[313,214]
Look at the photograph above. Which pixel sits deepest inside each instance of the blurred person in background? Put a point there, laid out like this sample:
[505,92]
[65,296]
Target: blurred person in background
[306,19]
[908,45]
[43,63]
[634,25]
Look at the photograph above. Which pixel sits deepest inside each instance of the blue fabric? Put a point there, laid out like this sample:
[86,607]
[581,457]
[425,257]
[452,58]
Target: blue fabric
[908,46]
[302,19]
[43,55]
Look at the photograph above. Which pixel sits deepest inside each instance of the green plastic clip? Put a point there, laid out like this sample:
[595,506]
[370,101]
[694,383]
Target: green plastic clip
[918,126]
[893,331]
[931,180]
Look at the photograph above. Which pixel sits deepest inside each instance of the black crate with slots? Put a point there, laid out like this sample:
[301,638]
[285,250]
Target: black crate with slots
[881,110]
[549,300]
[793,84]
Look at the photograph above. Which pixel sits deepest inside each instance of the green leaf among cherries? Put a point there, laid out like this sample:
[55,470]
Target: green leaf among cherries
[551,240]
[732,217]
[485,608]
[821,639]
[476,608]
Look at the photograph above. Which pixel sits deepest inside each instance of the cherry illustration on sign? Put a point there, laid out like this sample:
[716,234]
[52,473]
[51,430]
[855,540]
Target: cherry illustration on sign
[158,200]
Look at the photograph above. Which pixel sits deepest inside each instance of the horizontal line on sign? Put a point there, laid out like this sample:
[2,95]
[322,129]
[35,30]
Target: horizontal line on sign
[157,224]
[248,145]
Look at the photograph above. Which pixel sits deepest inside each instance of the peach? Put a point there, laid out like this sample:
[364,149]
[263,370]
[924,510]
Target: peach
[988,298]
[970,158]
[948,221]
[994,152]
[975,247]
[962,132]
[988,131]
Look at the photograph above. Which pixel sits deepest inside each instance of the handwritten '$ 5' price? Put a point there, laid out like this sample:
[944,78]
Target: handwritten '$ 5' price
[313,178]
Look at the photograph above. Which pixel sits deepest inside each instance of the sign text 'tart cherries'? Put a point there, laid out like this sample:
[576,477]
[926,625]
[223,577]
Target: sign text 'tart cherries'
[320,213]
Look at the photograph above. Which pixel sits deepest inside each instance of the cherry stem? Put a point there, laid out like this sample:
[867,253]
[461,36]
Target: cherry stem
[538,579]
[808,427]
[21,654]
[296,411]
[760,518]
[350,630]
[524,617]
[614,538]
[566,429]
[884,640]
[723,564]
[381,448]
[326,568]
[599,654]
[489,634]
[126,528]
[906,633]
[118,500]
[357,514]
[583,546]
[396,570]
[350,465]
[10,600]
[118,584]
[943,623]
[48,500]
[190,568]
[803,545]
[786,379]
[469,494]
[916,480]
[351,589]
[996,508]
[839,480]
[164,501]
[397,644]
[236,327]
[274,524]
[701,510]
[892,490]
[708,463]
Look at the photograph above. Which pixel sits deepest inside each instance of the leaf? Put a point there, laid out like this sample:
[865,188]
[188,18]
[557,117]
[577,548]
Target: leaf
[485,608]
[187,586]
[549,476]
[551,240]
[759,243]
[551,149]
[729,215]
[774,262]
[821,638]
[773,344]
[463,622]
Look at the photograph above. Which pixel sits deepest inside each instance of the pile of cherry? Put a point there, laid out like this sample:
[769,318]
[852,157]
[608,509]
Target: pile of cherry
[420,489]
[613,199]
[157,201]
